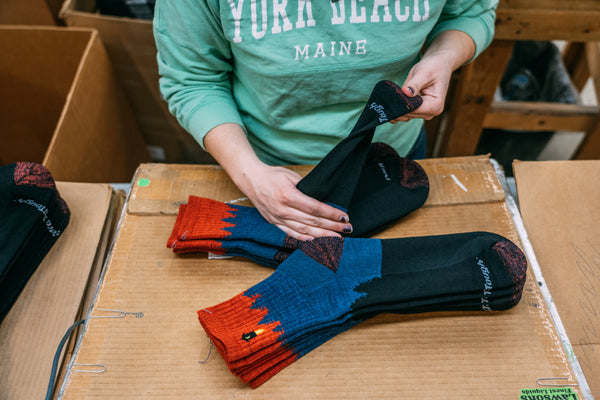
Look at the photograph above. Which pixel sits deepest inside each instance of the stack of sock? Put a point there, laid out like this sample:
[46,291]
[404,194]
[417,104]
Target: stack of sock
[33,216]
[330,285]
[370,181]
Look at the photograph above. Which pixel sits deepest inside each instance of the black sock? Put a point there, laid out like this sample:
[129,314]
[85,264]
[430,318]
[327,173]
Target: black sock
[334,179]
[389,188]
[33,217]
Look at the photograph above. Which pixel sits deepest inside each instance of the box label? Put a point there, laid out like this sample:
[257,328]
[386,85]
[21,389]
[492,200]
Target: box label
[559,393]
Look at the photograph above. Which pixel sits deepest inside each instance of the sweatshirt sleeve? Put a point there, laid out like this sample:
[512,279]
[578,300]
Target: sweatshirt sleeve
[194,64]
[474,17]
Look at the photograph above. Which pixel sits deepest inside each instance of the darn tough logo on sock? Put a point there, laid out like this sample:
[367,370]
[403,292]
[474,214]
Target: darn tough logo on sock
[42,209]
[487,288]
[378,108]
[385,173]
[249,336]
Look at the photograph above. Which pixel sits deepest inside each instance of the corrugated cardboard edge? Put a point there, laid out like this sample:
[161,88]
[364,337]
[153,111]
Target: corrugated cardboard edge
[108,234]
[121,211]
[555,317]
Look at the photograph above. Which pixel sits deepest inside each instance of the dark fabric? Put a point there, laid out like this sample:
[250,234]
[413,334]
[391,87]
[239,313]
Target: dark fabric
[458,272]
[33,216]
[419,149]
[389,188]
[335,178]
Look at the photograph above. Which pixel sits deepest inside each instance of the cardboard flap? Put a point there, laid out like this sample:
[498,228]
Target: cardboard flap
[560,204]
[160,188]
[54,296]
[159,347]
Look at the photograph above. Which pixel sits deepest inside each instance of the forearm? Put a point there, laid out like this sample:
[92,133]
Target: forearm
[272,190]
[228,145]
[453,46]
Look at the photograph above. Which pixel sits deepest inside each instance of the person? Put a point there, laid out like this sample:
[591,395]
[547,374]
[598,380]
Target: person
[265,83]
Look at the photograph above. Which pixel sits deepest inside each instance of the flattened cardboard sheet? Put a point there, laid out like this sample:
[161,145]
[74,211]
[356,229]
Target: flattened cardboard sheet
[560,204]
[54,296]
[158,349]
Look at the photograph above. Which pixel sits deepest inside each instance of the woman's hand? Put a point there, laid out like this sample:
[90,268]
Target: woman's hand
[430,77]
[272,190]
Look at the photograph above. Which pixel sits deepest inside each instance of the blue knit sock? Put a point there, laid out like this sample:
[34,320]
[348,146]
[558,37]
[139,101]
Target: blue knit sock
[331,284]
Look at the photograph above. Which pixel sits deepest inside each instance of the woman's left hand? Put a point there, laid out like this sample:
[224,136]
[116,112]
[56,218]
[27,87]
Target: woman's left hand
[430,77]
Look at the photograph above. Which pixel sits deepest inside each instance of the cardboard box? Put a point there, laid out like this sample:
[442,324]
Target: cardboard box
[58,293]
[27,12]
[560,204]
[131,47]
[62,107]
[158,349]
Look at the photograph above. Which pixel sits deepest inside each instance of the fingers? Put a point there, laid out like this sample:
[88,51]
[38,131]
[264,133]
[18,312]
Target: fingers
[307,218]
[429,78]
[276,197]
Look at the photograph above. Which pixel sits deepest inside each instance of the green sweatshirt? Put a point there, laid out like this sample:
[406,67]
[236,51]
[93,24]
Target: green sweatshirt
[297,73]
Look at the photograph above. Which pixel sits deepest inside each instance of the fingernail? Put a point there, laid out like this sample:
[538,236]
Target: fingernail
[411,90]
[347,229]
[344,218]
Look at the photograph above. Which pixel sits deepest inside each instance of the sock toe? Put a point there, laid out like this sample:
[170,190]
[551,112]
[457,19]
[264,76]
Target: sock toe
[515,263]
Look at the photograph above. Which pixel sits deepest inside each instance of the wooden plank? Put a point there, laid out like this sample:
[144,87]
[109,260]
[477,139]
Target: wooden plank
[582,5]
[545,24]
[590,146]
[576,64]
[471,99]
[592,53]
[532,116]
[589,149]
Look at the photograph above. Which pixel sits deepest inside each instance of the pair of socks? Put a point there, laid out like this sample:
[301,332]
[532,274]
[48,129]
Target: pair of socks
[330,285]
[370,181]
[212,226]
[33,216]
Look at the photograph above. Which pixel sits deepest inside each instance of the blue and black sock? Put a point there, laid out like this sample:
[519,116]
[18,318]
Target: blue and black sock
[330,284]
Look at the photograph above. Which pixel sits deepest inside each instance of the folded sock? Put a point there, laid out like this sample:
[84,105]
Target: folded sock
[212,226]
[334,179]
[389,188]
[33,216]
[329,284]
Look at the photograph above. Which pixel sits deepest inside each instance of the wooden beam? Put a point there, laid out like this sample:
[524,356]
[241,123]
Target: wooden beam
[592,53]
[539,116]
[548,24]
[576,64]
[589,148]
[471,100]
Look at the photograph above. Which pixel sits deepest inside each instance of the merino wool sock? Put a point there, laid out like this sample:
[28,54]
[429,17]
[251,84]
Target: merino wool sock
[330,284]
[334,179]
[33,216]
[369,180]
[228,229]
[389,188]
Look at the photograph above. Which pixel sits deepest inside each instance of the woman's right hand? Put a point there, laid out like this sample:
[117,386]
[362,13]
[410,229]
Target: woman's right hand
[272,190]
